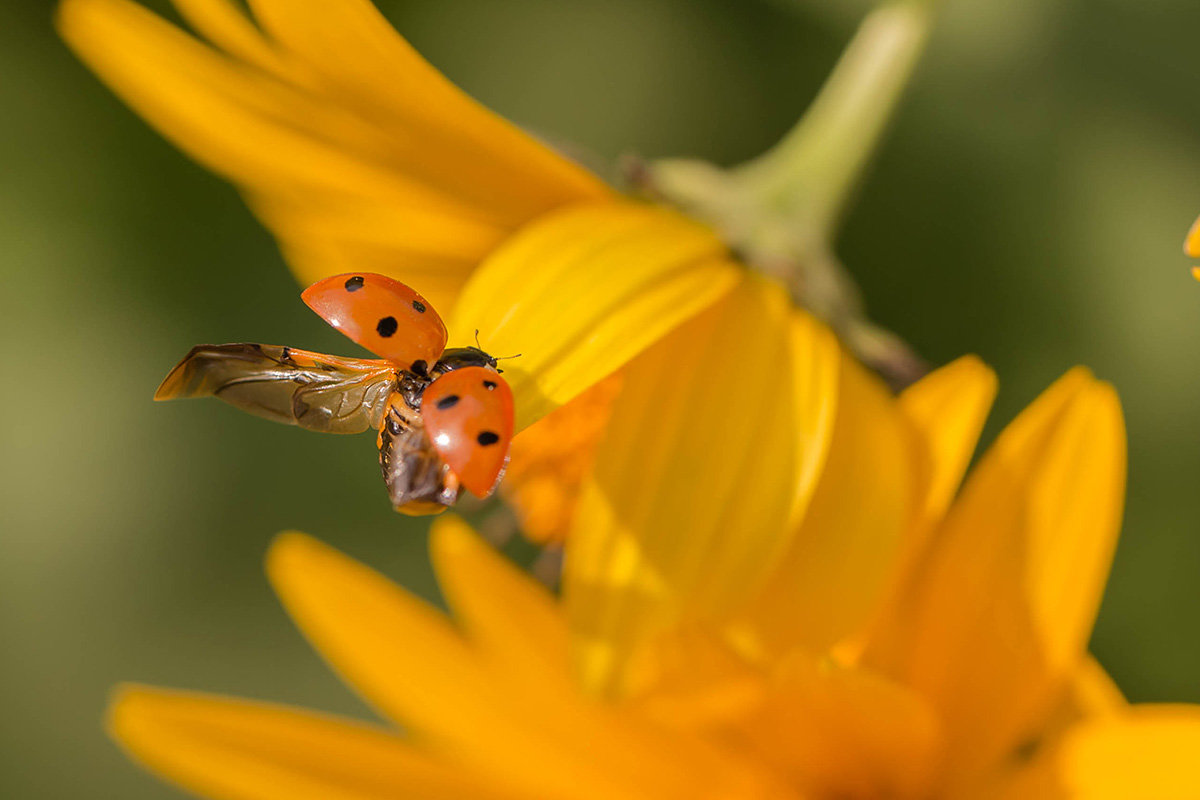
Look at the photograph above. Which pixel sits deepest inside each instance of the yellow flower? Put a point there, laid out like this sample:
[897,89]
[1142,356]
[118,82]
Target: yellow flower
[359,155]
[966,677]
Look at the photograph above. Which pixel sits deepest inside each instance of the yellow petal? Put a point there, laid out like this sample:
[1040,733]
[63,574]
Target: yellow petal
[223,24]
[1192,245]
[845,732]
[998,617]
[1152,752]
[710,457]
[429,250]
[445,180]
[580,292]
[406,658]
[550,460]
[513,619]
[362,60]
[225,748]
[948,408]
[846,550]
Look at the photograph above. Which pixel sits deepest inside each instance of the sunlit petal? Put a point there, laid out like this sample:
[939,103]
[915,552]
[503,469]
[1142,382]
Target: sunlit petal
[580,292]
[998,619]
[846,550]
[463,146]
[438,178]
[948,408]
[709,457]
[512,619]
[237,749]
[406,658]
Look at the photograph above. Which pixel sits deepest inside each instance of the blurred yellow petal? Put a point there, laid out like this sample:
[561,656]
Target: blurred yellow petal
[361,59]
[1152,751]
[416,179]
[514,620]
[845,732]
[709,458]
[1089,692]
[846,549]
[371,630]
[948,408]
[259,132]
[550,460]
[408,660]
[423,248]
[997,619]
[241,750]
[580,292]
[224,24]
[1192,245]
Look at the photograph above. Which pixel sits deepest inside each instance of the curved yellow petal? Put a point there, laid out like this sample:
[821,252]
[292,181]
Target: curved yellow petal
[580,292]
[364,62]
[407,659]
[846,549]
[710,456]
[1150,751]
[419,183]
[513,620]
[998,617]
[221,747]
[1092,691]
[948,408]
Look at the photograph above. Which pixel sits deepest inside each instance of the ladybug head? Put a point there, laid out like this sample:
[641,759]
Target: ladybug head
[459,357]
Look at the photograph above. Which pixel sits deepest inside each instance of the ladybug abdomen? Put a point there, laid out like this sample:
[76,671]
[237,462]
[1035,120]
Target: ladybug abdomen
[418,480]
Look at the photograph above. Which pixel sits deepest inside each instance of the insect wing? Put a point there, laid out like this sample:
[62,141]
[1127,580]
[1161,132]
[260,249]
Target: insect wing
[296,387]
[468,414]
[383,315]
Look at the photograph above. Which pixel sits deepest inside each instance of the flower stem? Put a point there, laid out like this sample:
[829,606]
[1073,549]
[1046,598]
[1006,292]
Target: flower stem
[780,211]
[814,168]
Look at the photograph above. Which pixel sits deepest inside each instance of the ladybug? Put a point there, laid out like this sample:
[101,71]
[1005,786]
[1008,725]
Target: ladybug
[445,416]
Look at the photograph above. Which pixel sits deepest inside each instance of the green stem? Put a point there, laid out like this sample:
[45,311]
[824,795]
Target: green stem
[811,173]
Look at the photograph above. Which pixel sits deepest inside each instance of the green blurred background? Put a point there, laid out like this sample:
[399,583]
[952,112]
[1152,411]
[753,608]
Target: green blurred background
[1029,206]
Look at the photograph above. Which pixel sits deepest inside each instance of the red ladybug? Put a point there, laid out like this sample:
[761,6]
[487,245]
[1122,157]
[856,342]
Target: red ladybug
[445,417]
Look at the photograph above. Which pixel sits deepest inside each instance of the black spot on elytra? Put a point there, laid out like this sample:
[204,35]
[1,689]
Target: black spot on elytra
[387,326]
[487,437]
[489,385]
[419,306]
[449,401]
[355,283]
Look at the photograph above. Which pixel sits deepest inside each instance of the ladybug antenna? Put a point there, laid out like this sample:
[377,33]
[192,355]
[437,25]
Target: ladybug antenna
[494,358]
